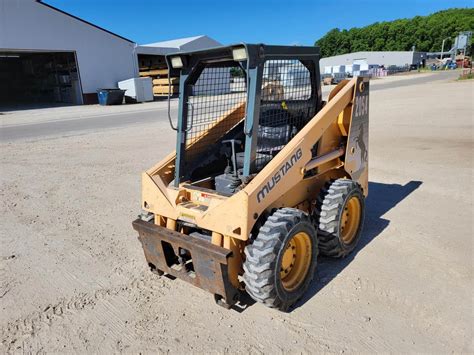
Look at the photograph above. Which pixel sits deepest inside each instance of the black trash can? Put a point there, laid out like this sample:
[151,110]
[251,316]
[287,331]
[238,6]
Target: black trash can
[110,96]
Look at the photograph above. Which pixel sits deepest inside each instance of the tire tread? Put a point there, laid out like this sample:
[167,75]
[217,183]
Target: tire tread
[327,214]
[262,254]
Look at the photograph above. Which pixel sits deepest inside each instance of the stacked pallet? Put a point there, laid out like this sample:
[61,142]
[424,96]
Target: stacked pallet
[160,81]
[161,86]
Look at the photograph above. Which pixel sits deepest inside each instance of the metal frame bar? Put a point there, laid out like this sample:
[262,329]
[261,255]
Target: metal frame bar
[254,88]
[181,129]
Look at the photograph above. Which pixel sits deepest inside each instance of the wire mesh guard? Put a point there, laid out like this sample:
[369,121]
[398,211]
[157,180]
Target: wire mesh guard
[215,105]
[287,104]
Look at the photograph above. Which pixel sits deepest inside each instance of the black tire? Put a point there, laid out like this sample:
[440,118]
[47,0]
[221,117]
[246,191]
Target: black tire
[328,217]
[264,258]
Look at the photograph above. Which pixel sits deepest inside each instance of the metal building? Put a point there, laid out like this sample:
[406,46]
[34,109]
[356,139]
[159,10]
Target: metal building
[153,55]
[386,58]
[50,56]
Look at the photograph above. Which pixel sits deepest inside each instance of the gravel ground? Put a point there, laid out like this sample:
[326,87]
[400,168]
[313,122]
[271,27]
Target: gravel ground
[73,277]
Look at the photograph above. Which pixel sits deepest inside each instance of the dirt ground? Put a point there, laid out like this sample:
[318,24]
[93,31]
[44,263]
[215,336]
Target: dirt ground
[73,277]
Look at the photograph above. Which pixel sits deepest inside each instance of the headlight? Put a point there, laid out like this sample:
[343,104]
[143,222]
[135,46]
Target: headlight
[176,62]
[239,54]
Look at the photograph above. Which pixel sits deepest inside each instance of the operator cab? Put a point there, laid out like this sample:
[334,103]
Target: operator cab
[238,107]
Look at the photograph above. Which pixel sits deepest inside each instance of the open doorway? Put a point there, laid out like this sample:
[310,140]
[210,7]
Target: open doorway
[36,79]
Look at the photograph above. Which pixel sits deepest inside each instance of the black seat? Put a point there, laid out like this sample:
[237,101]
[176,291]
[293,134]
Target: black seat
[275,130]
[270,141]
[260,161]
[271,138]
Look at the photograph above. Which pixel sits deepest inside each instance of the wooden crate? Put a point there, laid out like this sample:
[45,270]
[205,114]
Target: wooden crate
[155,72]
[164,90]
[164,81]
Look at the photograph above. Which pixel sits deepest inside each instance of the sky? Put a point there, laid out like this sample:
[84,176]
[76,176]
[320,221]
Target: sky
[290,22]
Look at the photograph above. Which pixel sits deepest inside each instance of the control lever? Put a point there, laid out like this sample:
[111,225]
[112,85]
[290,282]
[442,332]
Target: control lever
[234,153]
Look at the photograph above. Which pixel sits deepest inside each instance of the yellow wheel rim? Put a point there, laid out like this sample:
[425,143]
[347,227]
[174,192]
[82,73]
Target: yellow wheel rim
[296,261]
[350,220]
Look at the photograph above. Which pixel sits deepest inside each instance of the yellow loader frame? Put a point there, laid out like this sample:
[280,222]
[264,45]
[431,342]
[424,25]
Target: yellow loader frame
[283,182]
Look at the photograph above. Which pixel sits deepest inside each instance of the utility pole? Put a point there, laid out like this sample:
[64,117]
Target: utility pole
[442,47]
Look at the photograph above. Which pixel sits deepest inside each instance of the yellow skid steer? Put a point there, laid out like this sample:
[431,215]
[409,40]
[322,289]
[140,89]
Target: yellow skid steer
[265,175]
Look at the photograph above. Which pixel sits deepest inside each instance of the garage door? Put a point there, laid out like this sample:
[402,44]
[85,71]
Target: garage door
[39,79]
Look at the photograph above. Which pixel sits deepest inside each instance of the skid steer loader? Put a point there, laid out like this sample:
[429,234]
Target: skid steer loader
[264,177]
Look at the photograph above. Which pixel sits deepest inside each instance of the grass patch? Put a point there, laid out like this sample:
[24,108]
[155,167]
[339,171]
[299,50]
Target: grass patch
[468,76]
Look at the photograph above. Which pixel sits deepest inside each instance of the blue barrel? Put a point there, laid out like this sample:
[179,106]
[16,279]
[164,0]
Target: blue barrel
[110,96]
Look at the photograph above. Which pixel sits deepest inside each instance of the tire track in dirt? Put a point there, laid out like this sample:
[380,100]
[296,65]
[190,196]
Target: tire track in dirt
[425,317]
[16,332]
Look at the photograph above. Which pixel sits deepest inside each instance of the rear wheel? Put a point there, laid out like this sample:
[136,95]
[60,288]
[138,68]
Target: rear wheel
[281,261]
[340,217]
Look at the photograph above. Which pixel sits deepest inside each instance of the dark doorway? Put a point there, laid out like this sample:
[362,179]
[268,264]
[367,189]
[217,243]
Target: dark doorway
[32,79]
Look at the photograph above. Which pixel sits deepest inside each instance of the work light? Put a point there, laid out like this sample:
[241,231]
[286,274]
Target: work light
[176,62]
[239,54]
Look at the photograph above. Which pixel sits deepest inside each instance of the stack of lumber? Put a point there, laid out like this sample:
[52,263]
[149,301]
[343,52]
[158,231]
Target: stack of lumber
[160,86]
[160,81]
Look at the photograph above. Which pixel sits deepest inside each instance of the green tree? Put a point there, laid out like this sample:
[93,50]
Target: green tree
[426,33]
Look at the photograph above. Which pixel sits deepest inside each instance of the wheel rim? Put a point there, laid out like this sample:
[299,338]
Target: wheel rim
[296,261]
[350,220]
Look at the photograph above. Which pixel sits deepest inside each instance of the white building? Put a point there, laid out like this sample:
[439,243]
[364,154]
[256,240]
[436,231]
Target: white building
[153,55]
[48,55]
[386,58]
[295,75]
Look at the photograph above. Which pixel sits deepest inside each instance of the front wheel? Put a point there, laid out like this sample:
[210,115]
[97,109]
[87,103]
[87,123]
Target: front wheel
[281,261]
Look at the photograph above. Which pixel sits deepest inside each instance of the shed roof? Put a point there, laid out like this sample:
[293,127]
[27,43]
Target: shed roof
[177,45]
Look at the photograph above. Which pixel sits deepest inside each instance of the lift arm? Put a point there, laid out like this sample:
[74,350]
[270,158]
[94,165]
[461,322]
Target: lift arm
[288,167]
